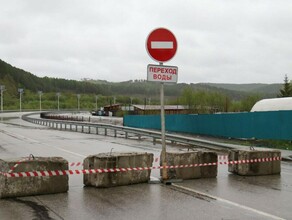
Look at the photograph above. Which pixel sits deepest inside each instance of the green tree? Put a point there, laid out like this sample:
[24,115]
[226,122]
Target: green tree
[188,97]
[248,102]
[286,91]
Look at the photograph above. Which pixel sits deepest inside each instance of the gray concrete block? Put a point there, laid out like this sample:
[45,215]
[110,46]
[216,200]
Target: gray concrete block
[38,185]
[254,168]
[117,160]
[209,171]
[187,158]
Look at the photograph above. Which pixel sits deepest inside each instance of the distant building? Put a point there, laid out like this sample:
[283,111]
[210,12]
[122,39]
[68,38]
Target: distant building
[112,108]
[276,104]
[143,109]
[155,109]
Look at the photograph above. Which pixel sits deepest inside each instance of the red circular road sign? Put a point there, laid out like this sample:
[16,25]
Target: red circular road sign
[161,45]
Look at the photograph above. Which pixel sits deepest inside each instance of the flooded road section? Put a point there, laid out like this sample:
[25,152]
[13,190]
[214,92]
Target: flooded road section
[226,197]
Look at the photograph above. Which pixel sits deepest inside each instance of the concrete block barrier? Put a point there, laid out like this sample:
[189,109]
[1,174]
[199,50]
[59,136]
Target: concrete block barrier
[198,159]
[254,162]
[32,185]
[116,160]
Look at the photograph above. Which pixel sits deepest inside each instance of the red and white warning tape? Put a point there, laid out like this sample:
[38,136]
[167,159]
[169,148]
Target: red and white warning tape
[72,164]
[19,162]
[113,170]
[15,165]
[75,164]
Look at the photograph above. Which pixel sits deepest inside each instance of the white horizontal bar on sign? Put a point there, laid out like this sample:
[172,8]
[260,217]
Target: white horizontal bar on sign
[161,44]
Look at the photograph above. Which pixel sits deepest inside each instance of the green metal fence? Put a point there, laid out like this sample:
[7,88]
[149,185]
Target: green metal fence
[275,125]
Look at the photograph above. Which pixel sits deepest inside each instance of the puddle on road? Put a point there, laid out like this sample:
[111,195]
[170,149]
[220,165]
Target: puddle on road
[39,211]
[7,118]
[2,149]
[190,193]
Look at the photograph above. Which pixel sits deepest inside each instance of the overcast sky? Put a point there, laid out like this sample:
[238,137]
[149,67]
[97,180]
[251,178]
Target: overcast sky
[219,41]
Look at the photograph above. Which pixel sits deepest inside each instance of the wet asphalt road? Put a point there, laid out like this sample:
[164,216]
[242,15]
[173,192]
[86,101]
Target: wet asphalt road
[226,197]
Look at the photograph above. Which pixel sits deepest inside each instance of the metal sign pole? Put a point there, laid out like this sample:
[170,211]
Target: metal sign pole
[163,151]
[161,46]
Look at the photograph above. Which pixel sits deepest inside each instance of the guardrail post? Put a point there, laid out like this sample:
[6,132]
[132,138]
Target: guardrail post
[105,131]
[76,128]
[82,129]
[115,132]
[96,130]
[89,128]
[154,141]
[126,135]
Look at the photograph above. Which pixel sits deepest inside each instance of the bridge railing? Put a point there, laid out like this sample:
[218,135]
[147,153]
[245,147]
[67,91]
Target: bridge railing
[114,130]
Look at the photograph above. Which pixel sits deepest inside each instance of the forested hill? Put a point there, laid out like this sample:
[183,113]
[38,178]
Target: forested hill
[14,78]
[268,89]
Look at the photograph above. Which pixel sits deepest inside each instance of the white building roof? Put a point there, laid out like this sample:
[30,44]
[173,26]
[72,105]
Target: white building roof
[276,104]
[158,107]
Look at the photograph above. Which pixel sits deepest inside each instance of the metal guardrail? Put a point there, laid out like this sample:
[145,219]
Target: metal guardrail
[95,128]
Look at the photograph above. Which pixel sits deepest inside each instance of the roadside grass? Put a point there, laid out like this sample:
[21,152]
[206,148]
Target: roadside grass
[275,144]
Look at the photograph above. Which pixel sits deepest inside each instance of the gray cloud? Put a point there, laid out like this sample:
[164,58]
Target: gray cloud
[239,41]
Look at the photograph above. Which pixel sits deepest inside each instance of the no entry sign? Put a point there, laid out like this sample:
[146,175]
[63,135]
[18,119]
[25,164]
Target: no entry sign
[161,45]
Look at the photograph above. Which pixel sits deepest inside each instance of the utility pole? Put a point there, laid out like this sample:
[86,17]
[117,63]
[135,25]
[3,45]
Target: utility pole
[78,102]
[96,98]
[40,95]
[58,94]
[21,91]
[2,89]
